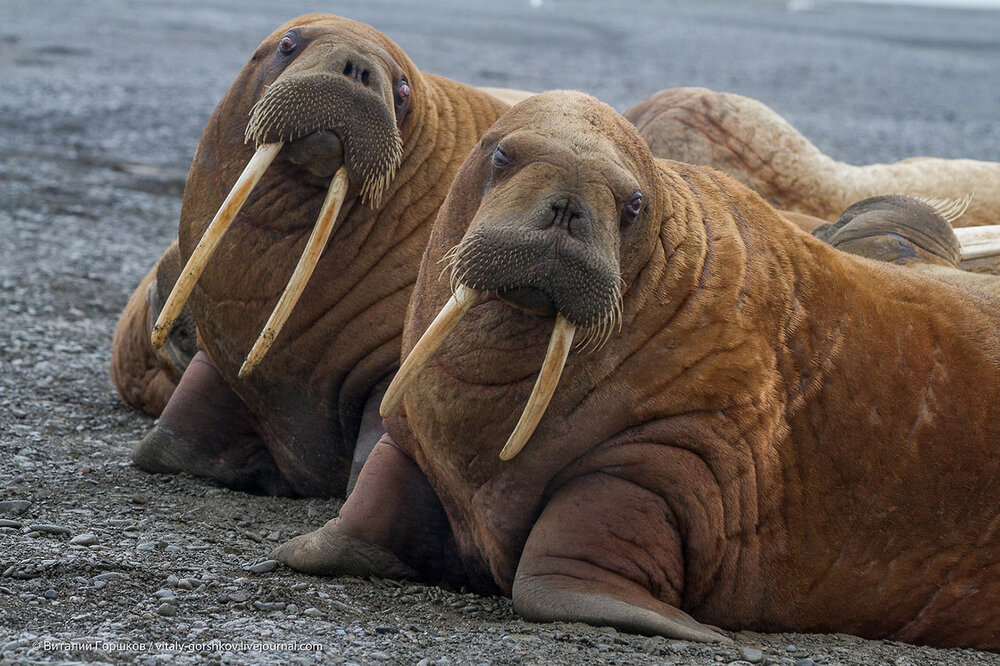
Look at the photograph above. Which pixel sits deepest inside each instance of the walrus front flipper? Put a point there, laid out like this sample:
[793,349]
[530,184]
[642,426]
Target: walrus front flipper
[206,431]
[392,526]
[599,552]
[145,377]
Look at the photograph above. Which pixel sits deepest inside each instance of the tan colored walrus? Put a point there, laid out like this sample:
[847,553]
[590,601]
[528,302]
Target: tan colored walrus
[760,431]
[755,145]
[909,232]
[329,131]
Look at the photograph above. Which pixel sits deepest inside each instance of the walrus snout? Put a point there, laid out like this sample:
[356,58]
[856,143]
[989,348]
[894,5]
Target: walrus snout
[538,267]
[332,106]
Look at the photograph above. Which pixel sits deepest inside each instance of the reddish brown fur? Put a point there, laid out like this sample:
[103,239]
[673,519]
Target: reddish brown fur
[755,145]
[344,334]
[815,432]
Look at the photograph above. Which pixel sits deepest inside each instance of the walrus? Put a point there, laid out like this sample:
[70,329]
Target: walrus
[755,431]
[752,143]
[907,231]
[329,122]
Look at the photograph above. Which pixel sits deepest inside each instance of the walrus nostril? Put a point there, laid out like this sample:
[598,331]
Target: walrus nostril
[567,215]
[364,77]
[349,68]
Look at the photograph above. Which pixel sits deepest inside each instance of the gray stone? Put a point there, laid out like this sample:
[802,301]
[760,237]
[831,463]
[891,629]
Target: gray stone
[167,610]
[10,523]
[14,507]
[49,528]
[753,655]
[87,539]
[266,566]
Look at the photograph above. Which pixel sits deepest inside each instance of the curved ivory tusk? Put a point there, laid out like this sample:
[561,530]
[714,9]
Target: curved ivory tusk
[196,263]
[427,346]
[545,386]
[303,271]
[979,242]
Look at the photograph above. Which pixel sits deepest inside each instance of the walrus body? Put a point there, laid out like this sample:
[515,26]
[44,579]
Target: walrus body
[781,437]
[755,145]
[338,94]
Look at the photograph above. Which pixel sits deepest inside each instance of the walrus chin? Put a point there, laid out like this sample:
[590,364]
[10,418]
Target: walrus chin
[462,299]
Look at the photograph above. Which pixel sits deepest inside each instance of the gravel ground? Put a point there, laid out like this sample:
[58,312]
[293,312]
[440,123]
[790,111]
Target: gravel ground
[101,106]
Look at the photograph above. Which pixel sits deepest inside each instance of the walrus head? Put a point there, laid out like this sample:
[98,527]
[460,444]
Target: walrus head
[332,98]
[565,219]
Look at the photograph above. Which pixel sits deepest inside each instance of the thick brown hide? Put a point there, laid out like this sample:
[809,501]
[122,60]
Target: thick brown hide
[755,145]
[343,336]
[782,437]
[145,377]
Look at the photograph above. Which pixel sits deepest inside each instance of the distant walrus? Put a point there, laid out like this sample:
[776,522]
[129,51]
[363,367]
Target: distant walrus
[909,232]
[341,130]
[759,431]
[755,145]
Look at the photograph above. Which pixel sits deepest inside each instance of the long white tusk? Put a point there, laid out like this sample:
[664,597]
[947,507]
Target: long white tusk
[545,386]
[427,346]
[303,271]
[196,263]
[979,242]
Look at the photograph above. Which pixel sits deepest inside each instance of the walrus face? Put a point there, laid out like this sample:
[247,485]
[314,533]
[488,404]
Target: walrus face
[334,95]
[566,218]
[336,101]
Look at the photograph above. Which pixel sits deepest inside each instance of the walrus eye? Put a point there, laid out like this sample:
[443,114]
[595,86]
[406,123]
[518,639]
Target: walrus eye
[500,158]
[633,207]
[402,94]
[288,43]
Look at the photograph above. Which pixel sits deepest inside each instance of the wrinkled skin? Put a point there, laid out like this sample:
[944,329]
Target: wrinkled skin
[755,145]
[145,377]
[782,437]
[296,418]
[907,232]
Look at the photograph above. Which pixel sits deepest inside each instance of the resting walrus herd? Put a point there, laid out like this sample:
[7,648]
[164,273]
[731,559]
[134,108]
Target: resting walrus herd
[633,392]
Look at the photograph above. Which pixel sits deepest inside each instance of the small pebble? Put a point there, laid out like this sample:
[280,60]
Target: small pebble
[87,539]
[805,662]
[164,594]
[50,594]
[99,584]
[166,610]
[185,584]
[268,606]
[753,655]
[49,529]
[313,612]
[108,575]
[266,566]
[299,587]
[379,656]
[239,596]
[14,507]
[10,523]
[387,629]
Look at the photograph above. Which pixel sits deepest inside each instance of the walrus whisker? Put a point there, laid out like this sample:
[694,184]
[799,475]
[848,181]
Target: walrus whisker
[979,242]
[949,209]
[427,346]
[303,271]
[196,263]
[545,387]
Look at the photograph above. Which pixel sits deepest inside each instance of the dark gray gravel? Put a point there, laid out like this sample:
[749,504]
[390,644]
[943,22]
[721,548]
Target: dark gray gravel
[101,106]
